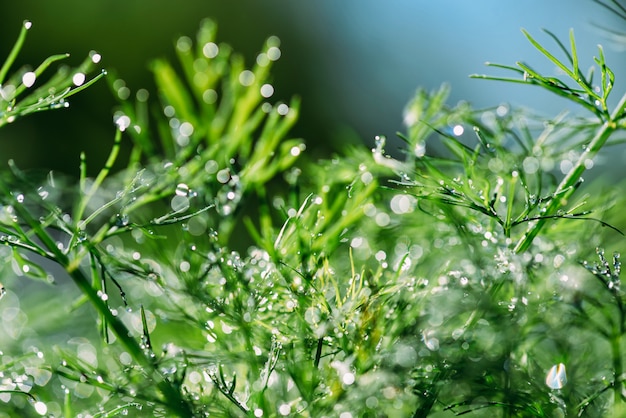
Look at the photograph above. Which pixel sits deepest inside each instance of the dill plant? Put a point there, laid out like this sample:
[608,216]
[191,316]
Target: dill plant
[228,275]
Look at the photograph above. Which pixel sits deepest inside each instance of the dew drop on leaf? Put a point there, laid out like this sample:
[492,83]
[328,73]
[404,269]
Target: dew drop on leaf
[78,79]
[267,90]
[95,57]
[40,407]
[557,377]
[29,78]
[184,44]
[122,122]
[282,109]
[273,53]
[223,176]
[182,190]
[121,219]
[210,50]
[246,78]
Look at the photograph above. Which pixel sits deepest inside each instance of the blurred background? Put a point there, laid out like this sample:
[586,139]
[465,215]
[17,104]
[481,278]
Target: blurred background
[355,63]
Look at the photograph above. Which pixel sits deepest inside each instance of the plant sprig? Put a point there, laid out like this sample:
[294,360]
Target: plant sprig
[594,100]
[586,94]
[21,94]
[417,298]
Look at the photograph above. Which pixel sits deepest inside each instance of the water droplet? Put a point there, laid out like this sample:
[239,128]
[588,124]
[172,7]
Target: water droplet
[78,79]
[223,176]
[28,24]
[179,203]
[211,166]
[174,123]
[169,111]
[295,151]
[209,96]
[186,129]
[210,50]
[184,44]
[59,105]
[123,93]
[3,290]
[273,41]
[430,341]
[43,193]
[420,149]
[402,203]
[6,92]
[382,219]
[557,377]
[95,57]
[246,78]
[348,378]
[121,219]
[29,78]
[81,236]
[142,95]
[40,408]
[282,109]
[284,409]
[182,189]
[262,60]
[227,199]
[273,53]
[267,90]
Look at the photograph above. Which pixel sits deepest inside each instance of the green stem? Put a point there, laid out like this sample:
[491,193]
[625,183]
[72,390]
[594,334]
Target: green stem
[171,397]
[618,367]
[568,185]
[104,172]
[14,51]
[616,349]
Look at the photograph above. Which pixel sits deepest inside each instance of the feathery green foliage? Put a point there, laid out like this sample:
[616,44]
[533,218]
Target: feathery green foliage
[223,273]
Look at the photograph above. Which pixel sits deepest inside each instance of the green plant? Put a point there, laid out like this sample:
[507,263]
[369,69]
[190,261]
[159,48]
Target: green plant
[231,276]
[22,93]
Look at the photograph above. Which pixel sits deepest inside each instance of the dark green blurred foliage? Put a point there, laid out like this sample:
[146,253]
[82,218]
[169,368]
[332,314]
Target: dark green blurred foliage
[129,35]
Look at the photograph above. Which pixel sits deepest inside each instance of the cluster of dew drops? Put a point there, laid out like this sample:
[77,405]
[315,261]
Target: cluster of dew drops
[228,197]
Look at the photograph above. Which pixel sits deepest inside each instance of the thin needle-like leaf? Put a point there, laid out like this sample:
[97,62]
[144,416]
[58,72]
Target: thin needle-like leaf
[560,44]
[14,51]
[574,56]
[618,10]
[548,55]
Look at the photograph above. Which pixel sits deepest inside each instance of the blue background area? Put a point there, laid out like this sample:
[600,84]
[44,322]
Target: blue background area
[379,53]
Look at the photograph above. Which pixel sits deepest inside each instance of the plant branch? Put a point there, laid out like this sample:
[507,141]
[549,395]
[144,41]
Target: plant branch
[568,185]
